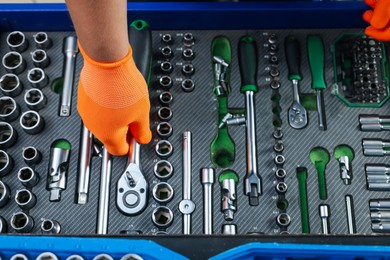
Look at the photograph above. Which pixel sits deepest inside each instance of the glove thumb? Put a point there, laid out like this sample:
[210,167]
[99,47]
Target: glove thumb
[140,131]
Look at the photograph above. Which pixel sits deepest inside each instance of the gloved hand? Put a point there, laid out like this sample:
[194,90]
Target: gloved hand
[379,19]
[113,102]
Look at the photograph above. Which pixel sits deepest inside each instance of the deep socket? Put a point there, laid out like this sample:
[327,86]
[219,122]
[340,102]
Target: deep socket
[6,163]
[278,134]
[5,194]
[25,199]
[42,41]
[166,98]
[272,38]
[40,58]
[31,122]
[9,109]
[188,69]
[378,216]
[21,222]
[274,72]
[13,62]
[31,155]
[162,192]
[164,113]
[324,212]
[281,187]
[275,84]
[37,78]
[166,52]
[207,176]
[49,226]
[229,229]
[274,60]
[379,204]
[166,67]
[10,85]
[164,129]
[280,173]
[35,99]
[17,41]
[279,146]
[165,82]
[188,54]
[187,85]
[166,38]
[162,217]
[4,227]
[279,159]
[8,135]
[283,220]
[164,148]
[28,177]
[188,39]
[380,227]
[163,169]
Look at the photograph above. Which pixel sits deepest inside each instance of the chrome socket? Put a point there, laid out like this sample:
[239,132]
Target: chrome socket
[275,84]
[131,257]
[281,188]
[21,222]
[280,173]
[10,85]
[5,194]
[165,82]
[25,199]
[274,60]
[162,217]
[13,62]
[31,155]
[3,226]
[164,129]
[188,69]
[166,38]
[164,148]
[19,257]
[6,163]
[163,169]
[75,257]
[35,99]
[49,226]
[103,257]
[278,134]
[9,109]
[31,122]
[40,58]
[37,78]
[28,177]
[165,98]
[42,41]
[164,113]
[283,220]
[279,159]
[187,85]
[229,229]
[166,67]
[17,41]
[279,146]
[166,52]
[188,54]
[162,192]
[47,256]
[8,135]
[274,72]
[188,39]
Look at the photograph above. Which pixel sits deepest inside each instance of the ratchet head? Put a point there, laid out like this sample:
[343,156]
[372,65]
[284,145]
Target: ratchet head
[297,116]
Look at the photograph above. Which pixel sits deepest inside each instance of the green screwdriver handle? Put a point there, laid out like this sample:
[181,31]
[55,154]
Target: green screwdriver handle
[316,52]
[247,58]
[292,50]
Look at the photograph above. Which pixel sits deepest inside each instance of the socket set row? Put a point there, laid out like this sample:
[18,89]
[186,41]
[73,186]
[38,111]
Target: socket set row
[227,107]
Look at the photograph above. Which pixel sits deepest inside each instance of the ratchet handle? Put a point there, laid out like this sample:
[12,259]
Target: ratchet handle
[292,50]
[316,53]
[247,58]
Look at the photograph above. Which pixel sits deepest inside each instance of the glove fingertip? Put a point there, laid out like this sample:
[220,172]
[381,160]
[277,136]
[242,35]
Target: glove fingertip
[371,3]
[367,16]
[145,137]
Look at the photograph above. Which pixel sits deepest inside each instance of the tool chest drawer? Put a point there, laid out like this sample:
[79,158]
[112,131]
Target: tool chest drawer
[270,137]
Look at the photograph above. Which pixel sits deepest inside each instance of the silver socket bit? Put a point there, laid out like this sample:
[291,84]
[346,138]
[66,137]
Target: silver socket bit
[163,169]
[281,187]
[31,155]
[375,152]
[324,214]
[166,38]
[4,227]
[378,178]
[162,217]
[21,222]
[377,169]
[47,256]
[166,52]
[283,220]
[380,227]
[164,113]
[229,198]
[278,134]
[236,120]
[35,99]
[37,78]
[164,129]
[10,85]
[188,54]
[19,257]
[131,257]
[379,204]
[162,192]
[188,39]
[49,226]
[31,122]
[40,58]
[17,41]
[25,199]
[187,85]
[75,257]
[8,135]
[102,257]
[188,69]
[378,186]
[164,148]
[6,163]
[279,146]
[207,176]
[166,67]
[374,127]
[13,62]
[345,170]
[229,229]
[28,177]
[57,174]
[379,216]
[9,109]
[280,173]
[375,144]
[279,159]
[165,98]
[5,194]
[42,40]
[373,119]
[165,82]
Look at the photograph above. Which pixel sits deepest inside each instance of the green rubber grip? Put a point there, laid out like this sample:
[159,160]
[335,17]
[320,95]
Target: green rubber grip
[140,38]
[292,50]
[302,177]
[247,58]
[316,53]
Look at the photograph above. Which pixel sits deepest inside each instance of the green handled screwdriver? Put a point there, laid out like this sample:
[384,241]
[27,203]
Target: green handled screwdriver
[316,53]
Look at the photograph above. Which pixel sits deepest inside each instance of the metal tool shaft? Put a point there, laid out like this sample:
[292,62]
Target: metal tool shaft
[134,152]
[350,214]
[104,194]
[207,179]
[320,110]
[84,166]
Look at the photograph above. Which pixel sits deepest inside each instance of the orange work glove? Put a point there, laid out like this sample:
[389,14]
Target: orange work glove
[113,102]
[379,19]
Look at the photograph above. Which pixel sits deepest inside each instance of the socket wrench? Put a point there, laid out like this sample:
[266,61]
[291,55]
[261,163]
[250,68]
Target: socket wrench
[37,78]
[17,41]
[13,62]
[162,217]
[162,192]
[9,109]
[49,226]
[35,99]
[28,177]
[40,58]
[6,163]
[8,135]
[163,170]
[21,222]
[31,155]
[104,193]
[10,85]
[187,206]
[207,176]
[5,194]
[84,167]
[70,51]
[42,41]
[25,199]
[31,122]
